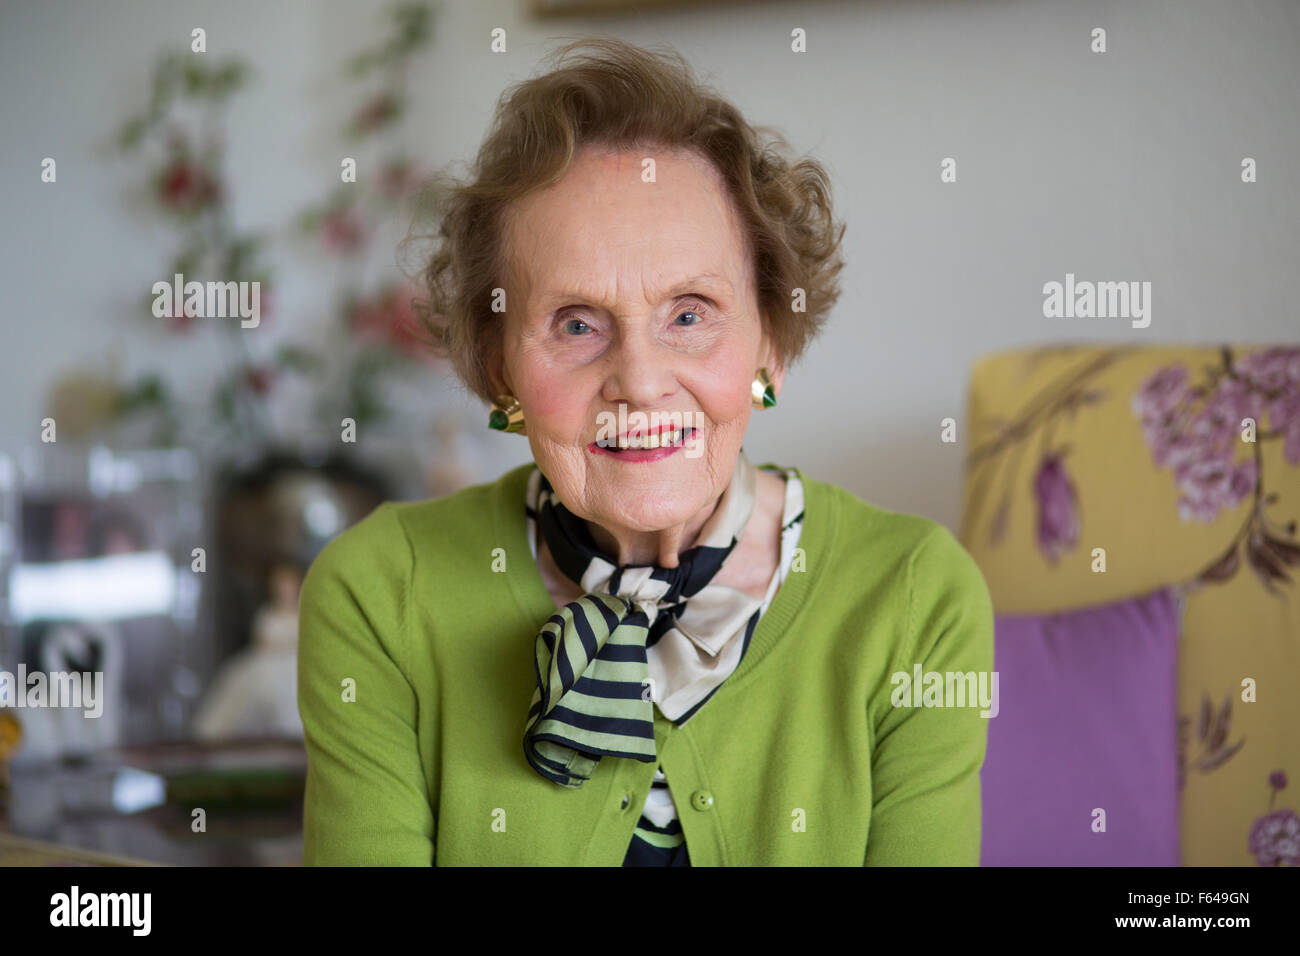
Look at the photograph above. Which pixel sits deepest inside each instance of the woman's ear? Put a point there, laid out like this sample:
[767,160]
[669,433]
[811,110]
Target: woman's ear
[497,377]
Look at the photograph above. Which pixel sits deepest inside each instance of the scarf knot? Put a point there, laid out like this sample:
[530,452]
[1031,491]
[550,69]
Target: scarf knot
[595,692]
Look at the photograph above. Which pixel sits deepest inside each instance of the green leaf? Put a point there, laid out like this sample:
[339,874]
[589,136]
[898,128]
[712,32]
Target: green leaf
[223,403]
[228,78]
[308,220]
[164,80]
[413,26]
[147,392]
[360,64]
[364,399]
[132,132]
[194,77]
[169,432]
[297,359]
[185,262]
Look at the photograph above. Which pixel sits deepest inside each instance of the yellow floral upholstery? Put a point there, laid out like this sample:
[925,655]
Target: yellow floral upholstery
[1138,457]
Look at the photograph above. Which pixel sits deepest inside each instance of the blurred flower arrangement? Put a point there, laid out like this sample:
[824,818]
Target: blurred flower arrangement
[374,333]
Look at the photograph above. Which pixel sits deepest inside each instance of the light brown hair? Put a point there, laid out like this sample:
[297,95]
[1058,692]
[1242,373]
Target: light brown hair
[604,91]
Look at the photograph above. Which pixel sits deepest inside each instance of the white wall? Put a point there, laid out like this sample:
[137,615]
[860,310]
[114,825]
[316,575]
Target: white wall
[1121,166]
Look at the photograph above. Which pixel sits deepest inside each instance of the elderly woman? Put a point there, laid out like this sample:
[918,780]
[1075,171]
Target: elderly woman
[640,648]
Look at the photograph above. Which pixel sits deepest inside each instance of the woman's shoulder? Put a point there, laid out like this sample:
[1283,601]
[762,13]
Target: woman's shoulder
[941,588]
[397,534]
[871,533]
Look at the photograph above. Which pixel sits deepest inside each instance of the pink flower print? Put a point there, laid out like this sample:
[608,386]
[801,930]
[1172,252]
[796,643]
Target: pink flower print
[1058,521]
[1275,838]
[1218,425]
[1173,450]
[1212,484]
[1284,417]
[1272,369]
[1160,394]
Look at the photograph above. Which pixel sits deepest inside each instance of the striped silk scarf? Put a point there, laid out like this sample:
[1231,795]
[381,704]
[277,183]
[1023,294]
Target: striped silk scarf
[594,697]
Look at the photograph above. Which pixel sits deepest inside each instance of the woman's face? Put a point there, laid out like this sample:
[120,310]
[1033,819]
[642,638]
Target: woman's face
[627,292]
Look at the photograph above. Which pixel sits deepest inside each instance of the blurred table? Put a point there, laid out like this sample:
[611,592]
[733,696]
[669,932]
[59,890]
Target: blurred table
[20,851]
[82,813]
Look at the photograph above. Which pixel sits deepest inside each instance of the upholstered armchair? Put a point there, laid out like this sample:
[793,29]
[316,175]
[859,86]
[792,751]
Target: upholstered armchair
[1134,510]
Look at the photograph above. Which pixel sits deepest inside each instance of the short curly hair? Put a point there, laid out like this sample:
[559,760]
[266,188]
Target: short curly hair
[607,92]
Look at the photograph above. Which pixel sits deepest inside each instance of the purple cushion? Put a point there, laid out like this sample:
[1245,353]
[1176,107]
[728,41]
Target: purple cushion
[1087,719]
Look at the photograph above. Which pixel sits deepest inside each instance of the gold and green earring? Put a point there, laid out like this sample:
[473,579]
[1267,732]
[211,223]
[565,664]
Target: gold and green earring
[764,395]
[506,415]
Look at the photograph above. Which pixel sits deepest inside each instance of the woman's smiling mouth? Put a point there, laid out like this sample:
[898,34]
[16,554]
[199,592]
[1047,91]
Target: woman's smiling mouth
[644,447]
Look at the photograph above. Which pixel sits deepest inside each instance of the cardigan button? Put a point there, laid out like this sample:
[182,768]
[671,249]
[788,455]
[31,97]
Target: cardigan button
[627,798]
[701,800]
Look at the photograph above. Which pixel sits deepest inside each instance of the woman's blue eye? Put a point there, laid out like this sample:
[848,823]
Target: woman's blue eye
[569,325]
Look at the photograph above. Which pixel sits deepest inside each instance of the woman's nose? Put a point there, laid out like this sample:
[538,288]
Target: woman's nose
[642,372]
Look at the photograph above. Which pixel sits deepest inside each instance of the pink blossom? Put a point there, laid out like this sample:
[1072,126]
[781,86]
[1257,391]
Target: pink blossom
[187,187]
[388,318]
[342,231]
[379,110]
[398,178]
[178,320]
[259,378]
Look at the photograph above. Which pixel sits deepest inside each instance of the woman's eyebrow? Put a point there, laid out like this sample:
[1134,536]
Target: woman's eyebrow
[703,280]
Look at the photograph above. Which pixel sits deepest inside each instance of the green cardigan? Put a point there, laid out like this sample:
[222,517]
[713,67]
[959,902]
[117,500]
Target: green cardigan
[415,670]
